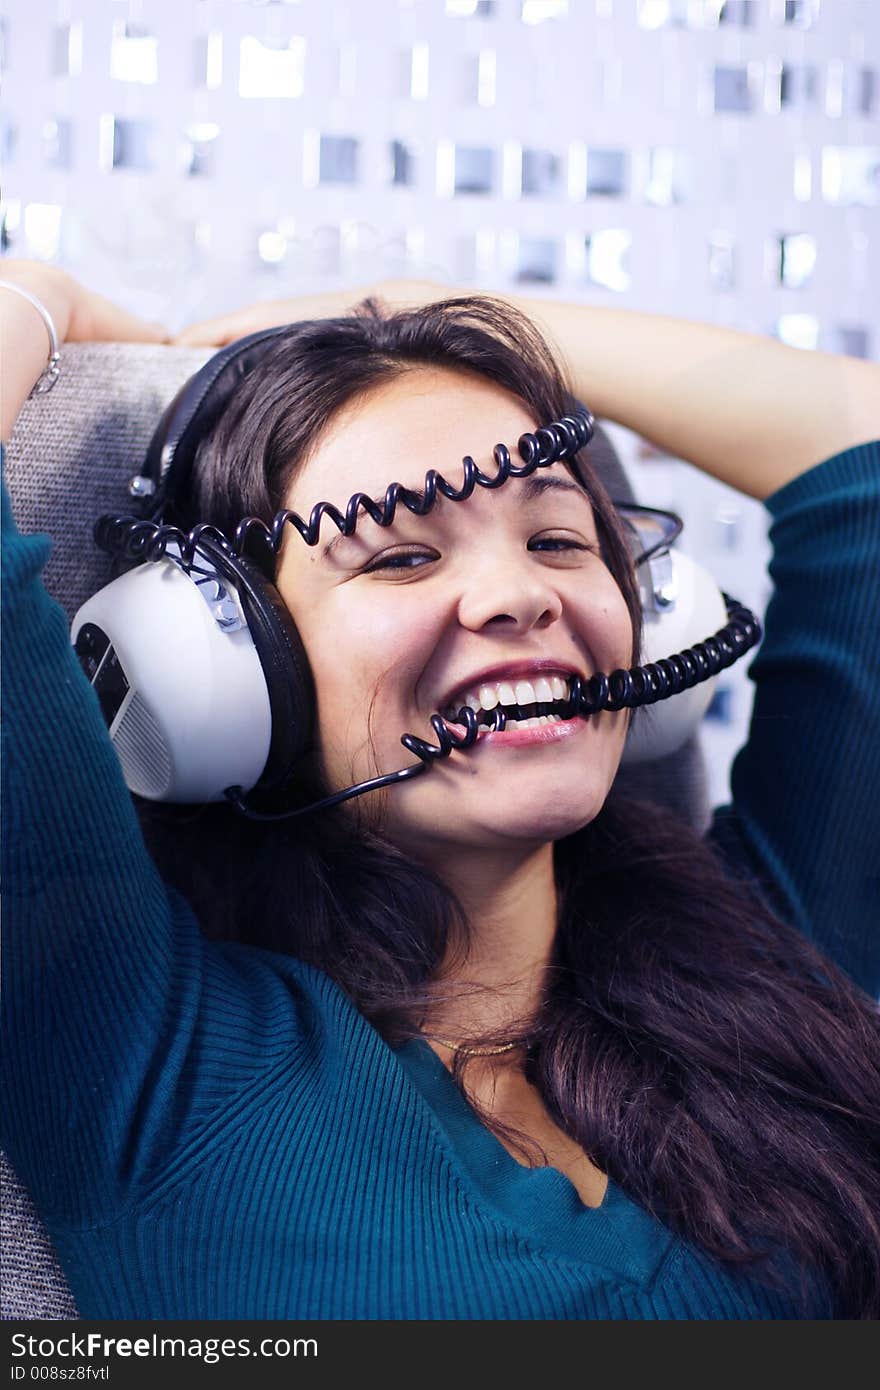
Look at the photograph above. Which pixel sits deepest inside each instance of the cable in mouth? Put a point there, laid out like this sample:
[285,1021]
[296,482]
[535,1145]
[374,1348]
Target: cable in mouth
[563,704]
[495,720]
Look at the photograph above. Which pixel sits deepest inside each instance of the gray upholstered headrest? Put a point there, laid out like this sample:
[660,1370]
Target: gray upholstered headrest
[74,450]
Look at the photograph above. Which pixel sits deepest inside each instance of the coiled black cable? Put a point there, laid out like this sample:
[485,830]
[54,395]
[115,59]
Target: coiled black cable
[658,680]
[133,539]
[427,753]
[623,688]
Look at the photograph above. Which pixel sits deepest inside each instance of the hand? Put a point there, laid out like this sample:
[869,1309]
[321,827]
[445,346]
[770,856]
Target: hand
[271,313]
[268,313]
[79,315]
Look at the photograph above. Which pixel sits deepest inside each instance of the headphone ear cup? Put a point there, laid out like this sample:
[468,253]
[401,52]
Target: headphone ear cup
[193,706]
[699,609]
[184,698]
[286,669]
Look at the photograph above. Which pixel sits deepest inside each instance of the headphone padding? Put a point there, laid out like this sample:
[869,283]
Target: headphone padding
[284,662]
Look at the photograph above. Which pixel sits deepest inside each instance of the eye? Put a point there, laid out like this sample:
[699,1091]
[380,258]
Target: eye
[559,544]
[401,560]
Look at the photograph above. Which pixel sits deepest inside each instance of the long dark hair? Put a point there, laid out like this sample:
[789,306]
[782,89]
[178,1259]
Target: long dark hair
[702,1052]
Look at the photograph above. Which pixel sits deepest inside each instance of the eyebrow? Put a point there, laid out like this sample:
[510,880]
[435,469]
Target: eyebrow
[539,483]
[533,487]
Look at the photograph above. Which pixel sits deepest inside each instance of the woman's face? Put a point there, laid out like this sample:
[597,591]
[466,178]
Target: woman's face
[507,588]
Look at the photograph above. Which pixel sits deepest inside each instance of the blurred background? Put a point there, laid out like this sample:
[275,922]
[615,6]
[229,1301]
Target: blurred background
[713,160]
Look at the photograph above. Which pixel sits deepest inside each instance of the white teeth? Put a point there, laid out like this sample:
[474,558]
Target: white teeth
[534,722]
[543,691]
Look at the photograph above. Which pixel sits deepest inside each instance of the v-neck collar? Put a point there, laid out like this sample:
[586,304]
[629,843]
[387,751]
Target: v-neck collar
[541,1203]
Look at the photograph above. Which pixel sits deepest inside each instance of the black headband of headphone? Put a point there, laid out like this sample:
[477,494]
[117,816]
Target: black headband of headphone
[191,415]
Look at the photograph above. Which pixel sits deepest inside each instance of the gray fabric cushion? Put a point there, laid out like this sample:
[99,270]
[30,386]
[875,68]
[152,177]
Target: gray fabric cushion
[74,450]
[31,1282]
[69,460]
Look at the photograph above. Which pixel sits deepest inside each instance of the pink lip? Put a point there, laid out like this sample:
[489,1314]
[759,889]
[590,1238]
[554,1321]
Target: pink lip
[520,738]
[509,671]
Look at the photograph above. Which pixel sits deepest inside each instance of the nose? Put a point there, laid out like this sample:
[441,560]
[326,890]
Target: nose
[514,594]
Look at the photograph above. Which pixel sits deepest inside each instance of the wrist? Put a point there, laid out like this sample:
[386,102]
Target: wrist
[26,346]
[52,286]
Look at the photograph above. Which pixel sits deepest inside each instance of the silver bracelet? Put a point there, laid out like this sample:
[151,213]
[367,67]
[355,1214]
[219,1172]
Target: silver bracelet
[52,369]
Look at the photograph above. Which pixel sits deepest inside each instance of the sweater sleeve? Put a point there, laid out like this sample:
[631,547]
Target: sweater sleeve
[804,818]
[125,1031]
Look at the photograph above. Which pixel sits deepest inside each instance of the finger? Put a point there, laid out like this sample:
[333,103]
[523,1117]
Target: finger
[146,331]
[226,328]
[267,313]
[124,327]
[211,333]
[97,319]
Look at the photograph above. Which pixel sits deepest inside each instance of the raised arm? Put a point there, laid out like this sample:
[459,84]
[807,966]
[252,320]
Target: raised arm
[744,408]
[804,786]
[78,315]
[119,1019]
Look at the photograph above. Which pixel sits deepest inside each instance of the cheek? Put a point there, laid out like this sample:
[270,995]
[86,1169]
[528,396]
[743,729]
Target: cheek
[606,629]
[366,649]
[620,627]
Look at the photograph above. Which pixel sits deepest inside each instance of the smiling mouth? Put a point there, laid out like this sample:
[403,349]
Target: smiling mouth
[523,713]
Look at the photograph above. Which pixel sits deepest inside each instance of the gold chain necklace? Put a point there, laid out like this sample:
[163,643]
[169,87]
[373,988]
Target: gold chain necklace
[473,1051]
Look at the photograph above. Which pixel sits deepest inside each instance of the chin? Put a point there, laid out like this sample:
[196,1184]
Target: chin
[538,830]
[505,822]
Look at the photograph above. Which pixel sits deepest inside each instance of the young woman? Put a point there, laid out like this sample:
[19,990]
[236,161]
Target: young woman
[491,1043]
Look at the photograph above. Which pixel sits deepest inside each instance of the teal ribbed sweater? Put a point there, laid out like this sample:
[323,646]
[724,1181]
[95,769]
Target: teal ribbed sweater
[213,1131]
